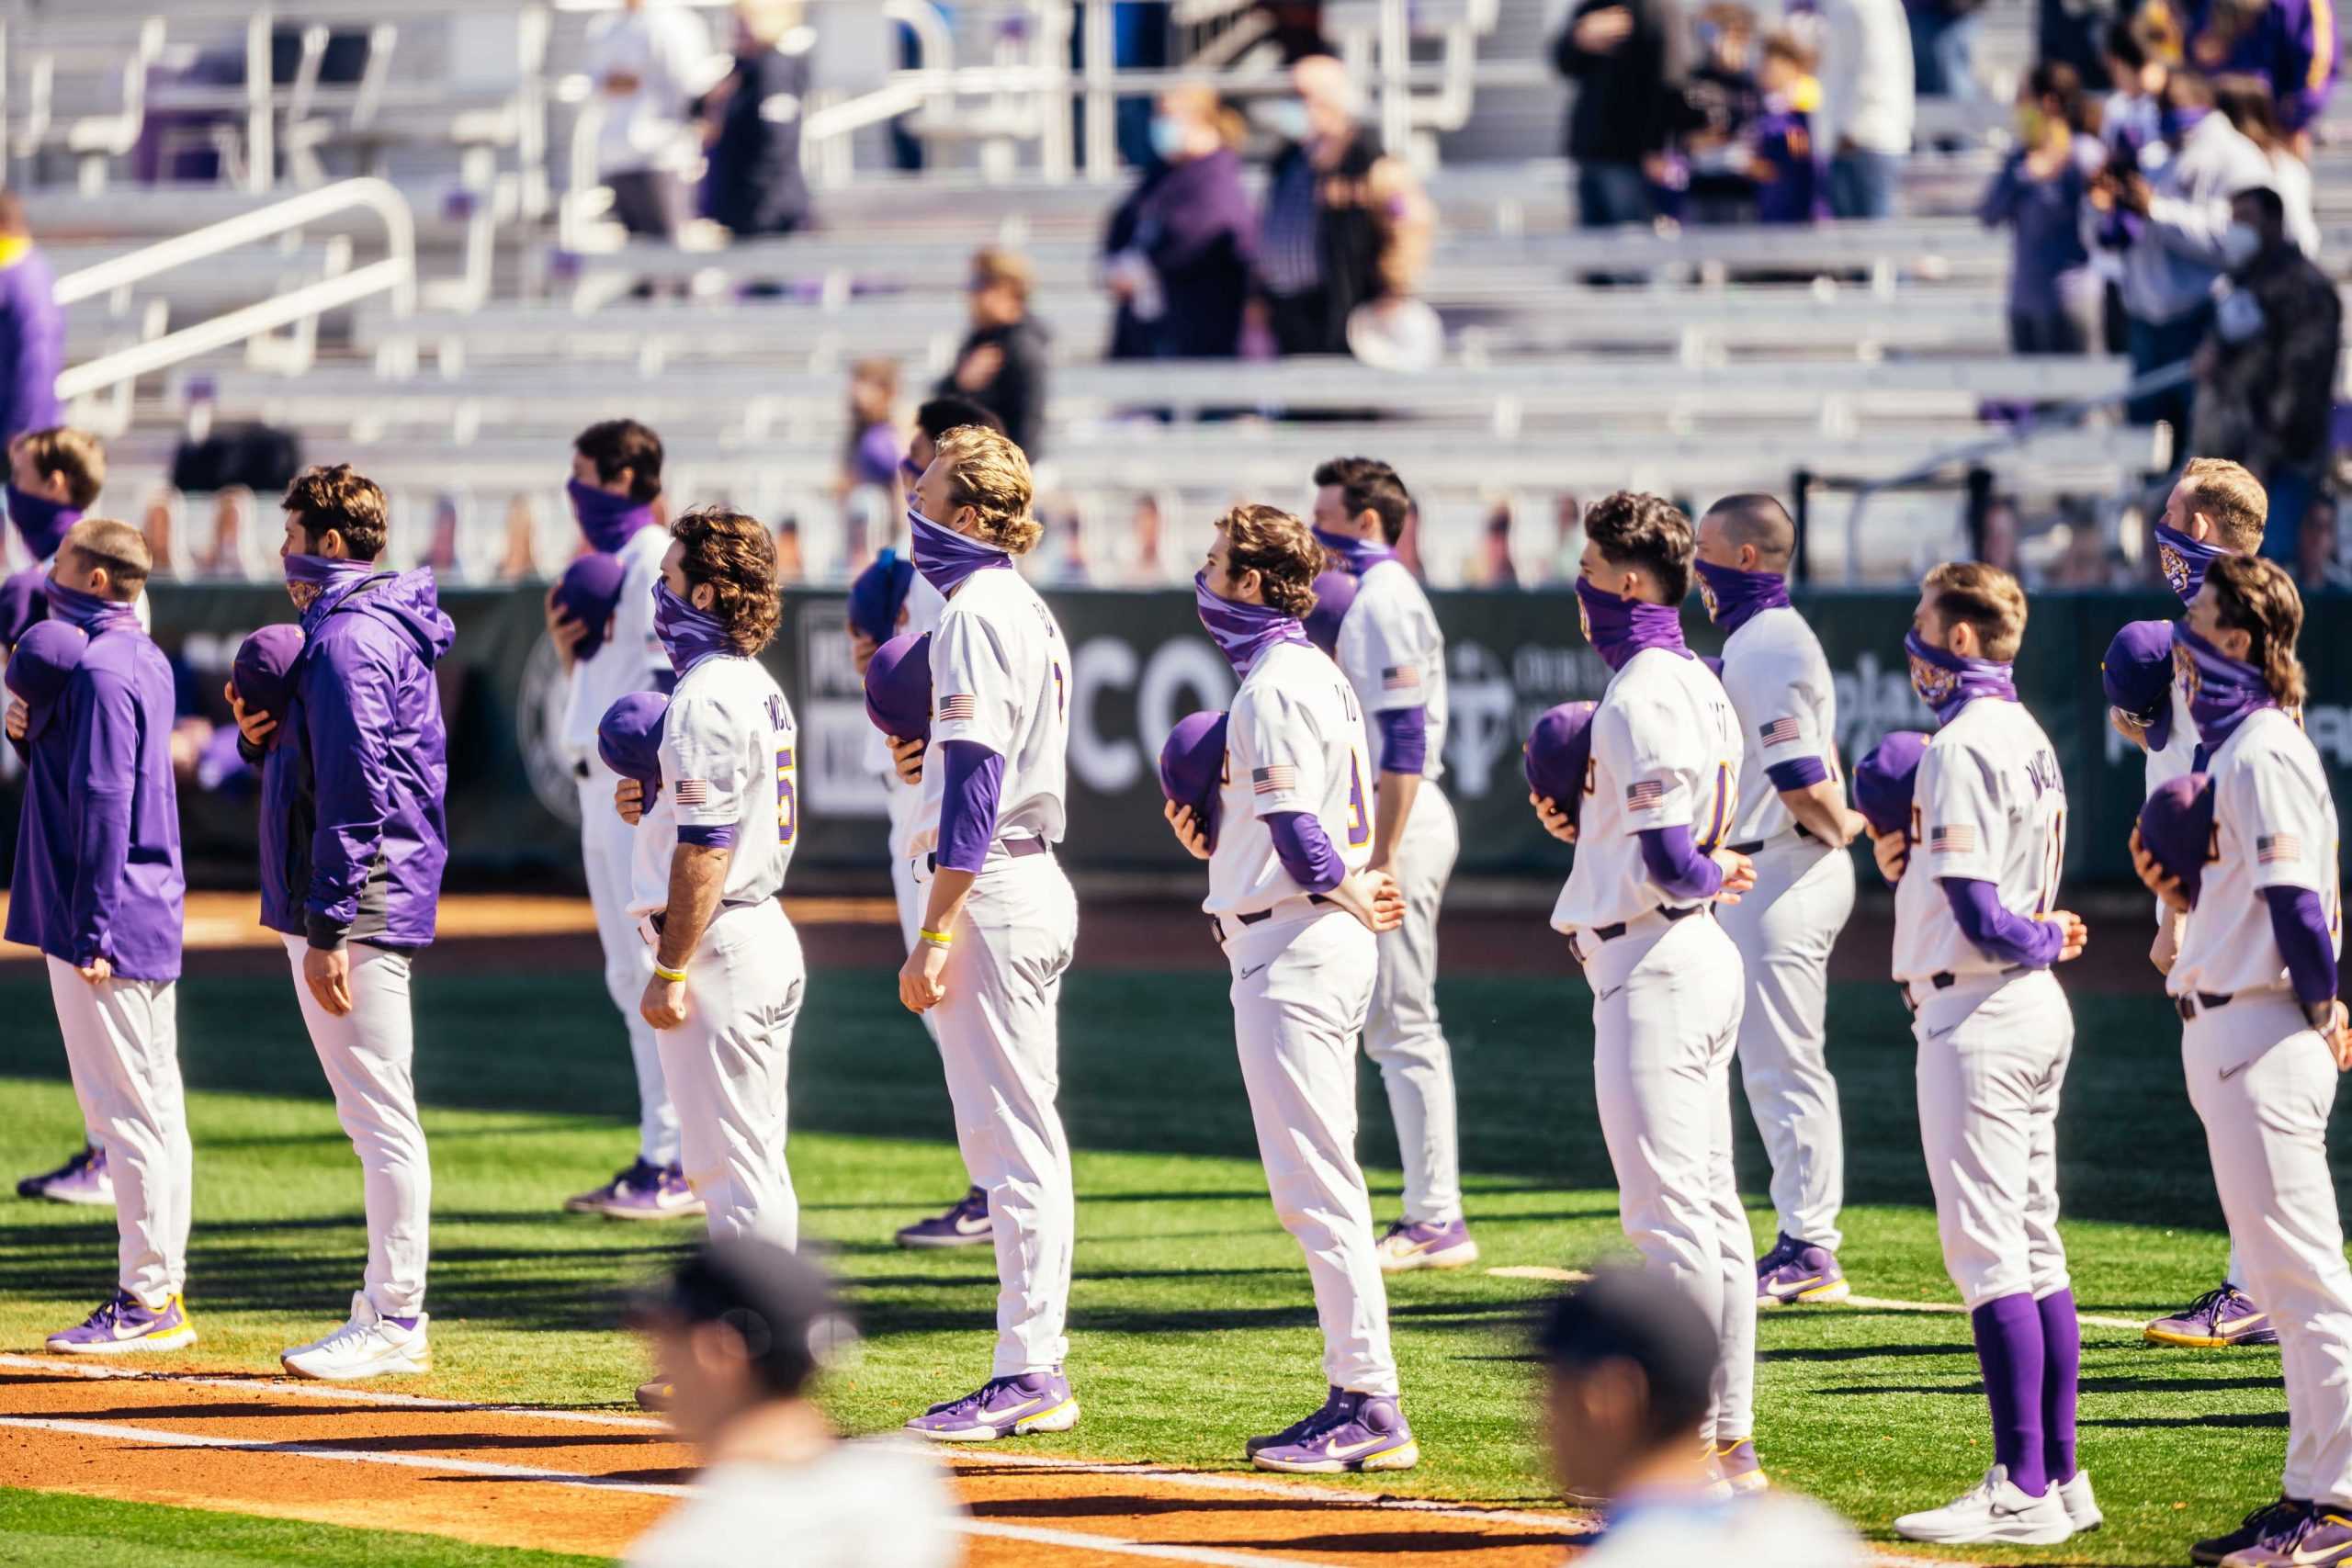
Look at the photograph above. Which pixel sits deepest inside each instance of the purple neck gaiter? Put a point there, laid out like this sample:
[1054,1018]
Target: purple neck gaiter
[946,558]
[1355,557]
[1734,597]
[333,578]
[88,611]
[43,523]
[1947,682]
[1244,631]
[2183,560]
[1619,627]
[689,635]
[2221,690]
[609,521]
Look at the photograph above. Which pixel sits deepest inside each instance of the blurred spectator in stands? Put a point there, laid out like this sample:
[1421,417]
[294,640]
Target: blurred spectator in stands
[2039,195]
[1297,28]
[2291,44]
[2074,32]
[441,553]
[1627,59]
[2169,226]
[648,61]
[2318,562]
[1149,530]
[521,561]
[1495,568]
[1721,103]
[1943,47]
[232,519]
[2265,375]
[790,564]
[32,328]
[1007,355]
[2130,118]
[1998,545]
[2244,101]
[1866,104]
[1066,565]
[158,524]
[1344,223]
[1568,540]
[751,123]
[1181,247]
[872,452]
[1785,157]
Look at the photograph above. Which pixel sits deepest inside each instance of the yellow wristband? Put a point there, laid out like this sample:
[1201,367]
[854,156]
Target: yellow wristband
[936,939]
[675,976]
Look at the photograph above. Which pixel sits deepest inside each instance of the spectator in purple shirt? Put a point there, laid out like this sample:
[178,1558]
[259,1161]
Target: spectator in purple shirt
[1182,248]
[2291,43]
[2039,196]
[1784,161]
[32,328]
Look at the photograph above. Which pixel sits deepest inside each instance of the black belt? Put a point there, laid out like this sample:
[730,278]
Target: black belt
[658,919]
[1753,845]
[1217,923]
[1016,848]
[1944,980]
[579,769]
[1610,933]
[2189,1006]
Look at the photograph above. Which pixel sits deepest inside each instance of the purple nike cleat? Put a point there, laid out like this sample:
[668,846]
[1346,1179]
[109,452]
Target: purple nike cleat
[643,1192]
[1359,1431]
[82,1180]
[1426,1244]
[2221,1317]
[1799,1272]
[1742,1471]
[2322,1537]
[1251,1447]
[124,1326]
[1002,1408]
[965,1223]
[2271,1519]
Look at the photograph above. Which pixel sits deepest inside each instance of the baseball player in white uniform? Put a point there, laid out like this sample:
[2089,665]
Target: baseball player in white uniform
[727,975]
[614,487]
[1394,655]
[1661,794]
[1000,921]
[2262,1036]
[1977,928]
[1794,824]
[1296,906]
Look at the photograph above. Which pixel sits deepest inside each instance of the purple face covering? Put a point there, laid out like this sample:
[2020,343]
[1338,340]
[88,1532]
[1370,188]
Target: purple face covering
[946,558]
[88,611]
[689,635]
[1619,627]
[1355,556]
[2184,560]
[1947,682]
[2221,690]
[43,523]
[609,521]
[1243,631]
[1734,597]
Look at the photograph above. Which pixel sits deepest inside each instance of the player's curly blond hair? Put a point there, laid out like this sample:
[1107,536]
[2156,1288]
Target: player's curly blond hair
[735,555]
[2258,597]
[988,473]
[1280,549]
[2229,495]
[1987,598]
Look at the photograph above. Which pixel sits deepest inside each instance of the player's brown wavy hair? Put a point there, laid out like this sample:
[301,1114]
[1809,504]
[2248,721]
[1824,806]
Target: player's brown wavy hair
[988,473]
[1987,598]
[1649,532]
[340,499]
[1280,549]
[76,455]
[2258,597]
[735,555]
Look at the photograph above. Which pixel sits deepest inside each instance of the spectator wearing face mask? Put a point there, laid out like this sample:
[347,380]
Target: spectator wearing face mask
[2244,102]
[2039,195]
[1180,249]
[2266,373]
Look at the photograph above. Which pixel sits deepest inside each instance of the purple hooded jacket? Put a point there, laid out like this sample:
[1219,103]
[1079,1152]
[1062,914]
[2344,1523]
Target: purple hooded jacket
[352,836]
[32,347]
[98,843]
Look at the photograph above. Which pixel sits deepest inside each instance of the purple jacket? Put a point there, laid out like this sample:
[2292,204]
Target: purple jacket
[98,841]
[353,837]
[32,347]
[2291,44]
[1782,140]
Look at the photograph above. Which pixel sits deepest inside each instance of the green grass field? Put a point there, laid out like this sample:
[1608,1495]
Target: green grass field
[1191,1323]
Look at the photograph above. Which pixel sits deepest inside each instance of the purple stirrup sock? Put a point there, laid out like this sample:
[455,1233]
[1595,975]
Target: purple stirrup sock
[2061,1366]
[2009,1348]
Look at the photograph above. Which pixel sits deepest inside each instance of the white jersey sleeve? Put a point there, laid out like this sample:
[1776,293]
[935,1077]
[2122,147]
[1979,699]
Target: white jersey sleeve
[731,769]
[1000,678]
[973,684]
[632,657]
[1294,742]
[2274,825]
[1958,822]
[1782,688]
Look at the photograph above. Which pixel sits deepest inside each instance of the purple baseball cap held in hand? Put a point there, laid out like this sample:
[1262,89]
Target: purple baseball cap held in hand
[629,738]
[878,595]
[898,688]
[1334,591]
[2177,828]
[1192,765]
[1559,750]
[24,599]
[2137,675]
[589,590]
[263,672]
[45,660]
[1885,779]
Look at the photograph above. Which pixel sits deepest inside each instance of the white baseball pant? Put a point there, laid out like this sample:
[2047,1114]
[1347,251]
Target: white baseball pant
[369,1054]
[1667,997]
[1993,1055]
[2264,1083]
[1302,982]
[606,846]
[728,1068]
[122,1044]
[912,895]
[1402,1032]
[1784,928]
[999,1038]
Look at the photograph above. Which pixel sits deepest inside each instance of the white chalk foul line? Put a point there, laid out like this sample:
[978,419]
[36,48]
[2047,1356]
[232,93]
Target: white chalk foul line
[287,1388]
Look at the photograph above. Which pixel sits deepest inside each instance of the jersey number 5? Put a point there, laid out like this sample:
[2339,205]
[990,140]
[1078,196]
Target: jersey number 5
[788,800]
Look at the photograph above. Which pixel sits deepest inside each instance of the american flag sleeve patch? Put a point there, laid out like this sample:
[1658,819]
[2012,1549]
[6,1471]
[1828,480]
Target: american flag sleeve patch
[2270,849]
[1958,838]
[961,705]
[1399,678]
[1780,732]
[1280,779]
[693,792]
[1646,795]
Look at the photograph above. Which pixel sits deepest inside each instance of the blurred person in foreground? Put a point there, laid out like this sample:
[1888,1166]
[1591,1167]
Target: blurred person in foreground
[1180,249]
[1006,357]
[2265,373]
[1628,59]
[2038,196]
[736,1336]
[1629,1360]
[32,328]
[751,123]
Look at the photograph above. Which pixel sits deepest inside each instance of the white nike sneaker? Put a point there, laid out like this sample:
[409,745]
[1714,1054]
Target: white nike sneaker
[2082,1508]
[1995,1511]
[367,1347]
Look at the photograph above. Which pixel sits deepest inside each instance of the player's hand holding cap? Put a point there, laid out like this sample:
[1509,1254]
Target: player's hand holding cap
[629,738]
[588,592]
[1192,767]
[2137,675]
[1559,750]
[45,660]
[263,672]
[2177,826]
[1884,781]
[878,594]
[1334,591]
[898,688]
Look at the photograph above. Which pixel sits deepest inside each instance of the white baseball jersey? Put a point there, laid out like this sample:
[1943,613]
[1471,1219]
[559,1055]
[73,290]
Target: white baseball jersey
[1296,742]
[1988,804]
[653,844]
[1666,753]
[632,659]
[1000,677]
[1395,656]
[855,1504]
[1780,687]
[2274,825]
[1767,1529]
[731,772]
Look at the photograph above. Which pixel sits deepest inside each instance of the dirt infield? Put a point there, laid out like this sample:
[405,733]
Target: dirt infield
[589,1482]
